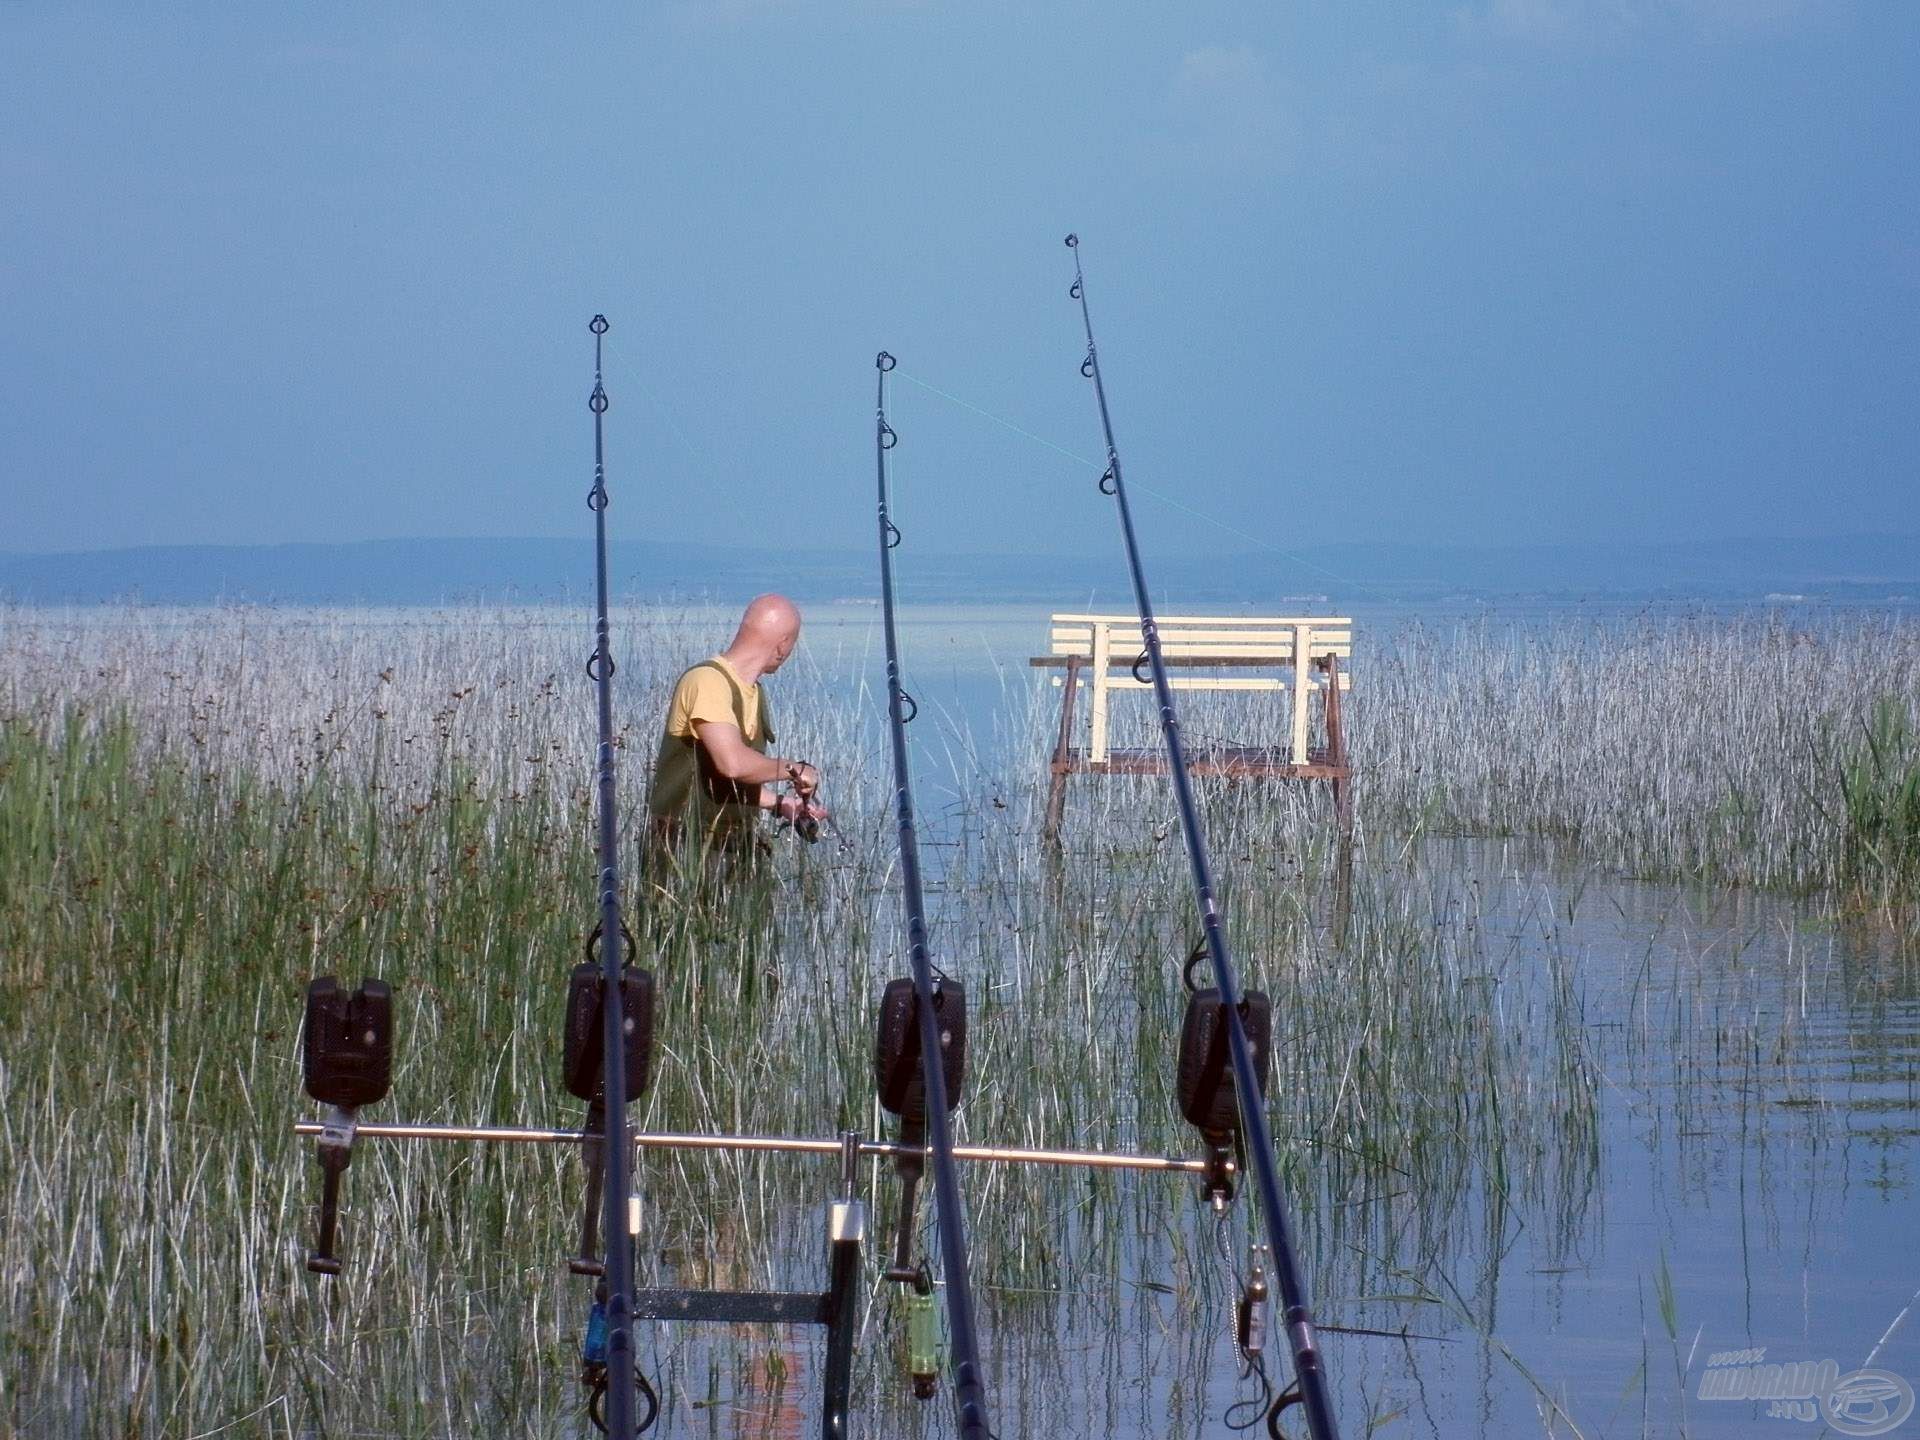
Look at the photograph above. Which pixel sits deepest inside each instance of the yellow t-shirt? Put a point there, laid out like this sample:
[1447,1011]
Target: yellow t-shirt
[703,697]
[687,794]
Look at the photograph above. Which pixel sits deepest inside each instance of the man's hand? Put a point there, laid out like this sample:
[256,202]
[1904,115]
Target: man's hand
[804,815]
[805,778]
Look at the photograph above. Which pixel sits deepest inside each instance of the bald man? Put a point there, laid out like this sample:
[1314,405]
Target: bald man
[714,773]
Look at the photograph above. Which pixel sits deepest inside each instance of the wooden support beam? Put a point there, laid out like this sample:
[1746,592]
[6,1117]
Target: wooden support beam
[1062,753]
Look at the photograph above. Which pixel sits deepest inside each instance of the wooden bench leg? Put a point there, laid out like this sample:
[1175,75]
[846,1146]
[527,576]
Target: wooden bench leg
[1062,764]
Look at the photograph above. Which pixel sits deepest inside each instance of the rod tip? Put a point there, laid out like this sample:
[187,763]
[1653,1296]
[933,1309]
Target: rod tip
[1073,242]
[598,325]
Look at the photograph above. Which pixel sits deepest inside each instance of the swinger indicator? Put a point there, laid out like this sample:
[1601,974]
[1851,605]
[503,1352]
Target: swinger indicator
[346,1057]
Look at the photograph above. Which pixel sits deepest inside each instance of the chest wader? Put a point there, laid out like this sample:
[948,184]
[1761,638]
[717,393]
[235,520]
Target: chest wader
[703,856]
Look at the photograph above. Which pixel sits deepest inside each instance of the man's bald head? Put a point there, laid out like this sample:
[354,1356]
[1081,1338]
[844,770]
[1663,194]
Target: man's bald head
[770,615]
[767,632]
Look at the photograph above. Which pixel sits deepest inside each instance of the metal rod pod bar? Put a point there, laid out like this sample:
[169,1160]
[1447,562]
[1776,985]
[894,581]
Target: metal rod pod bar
[773,1144]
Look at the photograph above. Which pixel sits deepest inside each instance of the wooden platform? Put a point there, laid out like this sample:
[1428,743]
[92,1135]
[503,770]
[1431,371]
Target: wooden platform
[1235,762]
[1106,653]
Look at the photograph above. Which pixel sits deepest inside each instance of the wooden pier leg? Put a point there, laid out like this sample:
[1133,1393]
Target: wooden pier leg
[1342,890]
[1342,807]
[1062,764]
[1337,752]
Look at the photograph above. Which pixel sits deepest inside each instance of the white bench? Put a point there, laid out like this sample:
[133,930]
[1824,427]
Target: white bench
[1108,654]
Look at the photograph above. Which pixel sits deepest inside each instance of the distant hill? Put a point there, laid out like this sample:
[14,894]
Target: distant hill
[421,572]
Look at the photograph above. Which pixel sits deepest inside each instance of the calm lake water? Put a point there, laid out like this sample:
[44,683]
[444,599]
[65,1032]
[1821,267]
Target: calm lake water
[1758,1109]
[1752,1190]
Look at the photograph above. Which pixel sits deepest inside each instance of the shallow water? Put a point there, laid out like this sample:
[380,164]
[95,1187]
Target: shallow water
[1758,1103]
[1758,1109]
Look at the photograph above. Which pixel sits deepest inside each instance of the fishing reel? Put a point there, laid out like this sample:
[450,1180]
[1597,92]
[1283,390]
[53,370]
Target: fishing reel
[1205,1079]
[346,1045]
[806,821]
[806,824]
[581,1071]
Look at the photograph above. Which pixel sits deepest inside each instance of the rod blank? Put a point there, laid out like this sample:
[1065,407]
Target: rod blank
[969,1380]
[618,1244]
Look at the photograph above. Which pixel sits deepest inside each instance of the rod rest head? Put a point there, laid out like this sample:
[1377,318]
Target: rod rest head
[346,1043]
[1205,1086]
[896,1047]
[580,1067]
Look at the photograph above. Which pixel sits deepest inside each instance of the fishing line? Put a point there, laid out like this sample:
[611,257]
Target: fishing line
[704,458]
[629,374]
[969,1383]
[952,727]
[949,726]
[1297,1318]
[668,414]
[999,420]
[1165,499]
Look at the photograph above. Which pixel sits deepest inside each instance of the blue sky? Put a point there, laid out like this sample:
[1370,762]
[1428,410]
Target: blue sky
[1528,270]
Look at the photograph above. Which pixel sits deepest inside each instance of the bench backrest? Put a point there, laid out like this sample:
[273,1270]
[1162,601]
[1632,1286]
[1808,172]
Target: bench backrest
[1233,636]
[1112,643]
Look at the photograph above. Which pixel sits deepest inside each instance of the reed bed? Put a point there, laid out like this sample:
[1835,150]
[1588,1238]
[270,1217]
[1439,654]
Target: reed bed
[199,811]
[1738,750]
[1729,749]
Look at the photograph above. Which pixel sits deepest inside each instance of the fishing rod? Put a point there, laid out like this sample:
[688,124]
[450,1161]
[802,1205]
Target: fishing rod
[347,1041]
[1309,1377]
[969,1381]
[615,1158]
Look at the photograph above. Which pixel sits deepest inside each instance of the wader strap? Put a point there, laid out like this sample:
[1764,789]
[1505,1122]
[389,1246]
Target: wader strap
[718,788]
